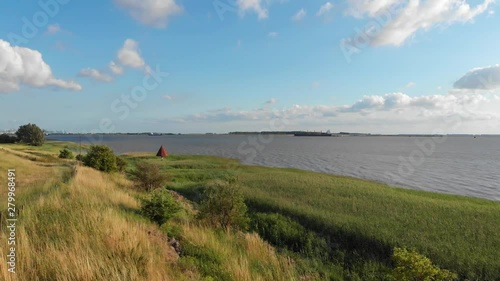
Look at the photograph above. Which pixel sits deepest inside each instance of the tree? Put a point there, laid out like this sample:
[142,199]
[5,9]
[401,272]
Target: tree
[66,154]
[31,134]
[223,206]
[4,138]
[160,206]
[412,266]
[100,157]
[148,176]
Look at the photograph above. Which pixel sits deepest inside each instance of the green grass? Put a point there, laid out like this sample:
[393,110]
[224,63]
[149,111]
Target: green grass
[361,222]
[81,224]
[365,218]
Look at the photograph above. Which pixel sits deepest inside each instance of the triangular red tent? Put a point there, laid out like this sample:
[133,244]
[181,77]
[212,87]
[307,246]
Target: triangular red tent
[162,152]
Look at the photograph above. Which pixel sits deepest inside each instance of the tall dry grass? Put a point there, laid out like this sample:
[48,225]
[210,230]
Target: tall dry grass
[85,230]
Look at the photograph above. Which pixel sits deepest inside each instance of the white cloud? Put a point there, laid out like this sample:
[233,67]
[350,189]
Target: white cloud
[23,66]
[481,78]
[389,113]
[271,101]
[53,29]
[410,85]
[115,68]
[129,55]
[169,97]
[253,5]
[272,34]
[300,15]
[327,7]
[402,19]
[154,13]
[95,74]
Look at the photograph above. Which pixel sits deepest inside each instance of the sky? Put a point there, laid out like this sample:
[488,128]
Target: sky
[372,66]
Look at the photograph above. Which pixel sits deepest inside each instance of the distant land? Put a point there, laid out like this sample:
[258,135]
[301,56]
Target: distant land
[290,133]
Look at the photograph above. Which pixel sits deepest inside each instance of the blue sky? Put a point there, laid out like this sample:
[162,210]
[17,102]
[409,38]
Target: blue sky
[389,66]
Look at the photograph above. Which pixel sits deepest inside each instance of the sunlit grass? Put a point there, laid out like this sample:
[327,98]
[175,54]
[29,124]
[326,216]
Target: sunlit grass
[458,233]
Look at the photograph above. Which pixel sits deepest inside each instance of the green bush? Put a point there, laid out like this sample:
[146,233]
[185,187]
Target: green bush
[79,157]
[31,134]
[412,266]
[148,176]
[223,206]
[4,138]
[100,157]
[66,154]
[121,164]
[160,206]
[283,232]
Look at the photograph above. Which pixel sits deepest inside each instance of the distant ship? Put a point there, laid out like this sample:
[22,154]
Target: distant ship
[313,134]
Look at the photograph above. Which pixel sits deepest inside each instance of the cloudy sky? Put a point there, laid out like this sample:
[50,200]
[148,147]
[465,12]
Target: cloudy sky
[377,66]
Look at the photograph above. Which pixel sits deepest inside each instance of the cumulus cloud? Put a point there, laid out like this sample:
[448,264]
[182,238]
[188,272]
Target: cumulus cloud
[129,54]
[23,66]
[373,113]
[401,19]
[253,5]
[481,78]
[115,68]
[154,13]
[325,9]
[300,15]
[95,74]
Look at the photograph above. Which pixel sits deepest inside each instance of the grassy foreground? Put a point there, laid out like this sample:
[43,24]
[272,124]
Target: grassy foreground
[362,220]
[80,224]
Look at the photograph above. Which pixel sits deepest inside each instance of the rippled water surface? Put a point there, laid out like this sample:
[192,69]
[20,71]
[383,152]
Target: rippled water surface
[457,165]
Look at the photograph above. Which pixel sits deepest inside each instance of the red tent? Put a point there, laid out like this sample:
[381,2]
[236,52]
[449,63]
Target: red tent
[162,152]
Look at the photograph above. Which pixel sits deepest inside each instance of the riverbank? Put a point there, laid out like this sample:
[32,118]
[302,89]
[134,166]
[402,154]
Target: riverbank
[359,221]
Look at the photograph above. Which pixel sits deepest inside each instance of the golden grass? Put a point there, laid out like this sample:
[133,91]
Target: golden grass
[79,231]
[245,256]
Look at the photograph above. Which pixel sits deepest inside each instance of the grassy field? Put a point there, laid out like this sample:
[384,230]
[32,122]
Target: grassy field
[77,223]
[80,224]
[363,220]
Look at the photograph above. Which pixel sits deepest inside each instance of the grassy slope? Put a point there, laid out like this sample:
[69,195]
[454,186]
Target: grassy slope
[457,233]
[84,225]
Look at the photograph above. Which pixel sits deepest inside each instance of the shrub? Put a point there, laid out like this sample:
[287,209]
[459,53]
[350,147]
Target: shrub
[100,157]
[31,134]
[285,233]
[121,164]
[148,176]
[160,206]
[66,154]
[223,206]
[4,138]
[410,265]
[79,157]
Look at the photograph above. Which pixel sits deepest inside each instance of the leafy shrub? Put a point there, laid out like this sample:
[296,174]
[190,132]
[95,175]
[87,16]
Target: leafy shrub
[160,206]
[79,157]
[410,265]
[148,176]
[66,154]
[121,164]
[4,138]
[285,233]
[100,157]
[31,134]
[223,206]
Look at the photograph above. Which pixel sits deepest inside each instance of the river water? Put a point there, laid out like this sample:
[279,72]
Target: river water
[461,165]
